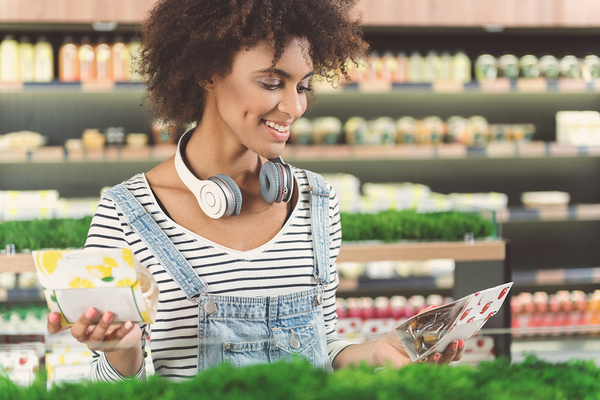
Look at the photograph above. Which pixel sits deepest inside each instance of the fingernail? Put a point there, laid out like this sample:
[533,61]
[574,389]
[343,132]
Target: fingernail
[454,346]
[53,317]
[90,313]
[128,325]
[461,344]
[107,317]
[436,357]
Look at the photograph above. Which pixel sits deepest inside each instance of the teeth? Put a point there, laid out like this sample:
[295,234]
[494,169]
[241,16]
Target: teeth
[277,127]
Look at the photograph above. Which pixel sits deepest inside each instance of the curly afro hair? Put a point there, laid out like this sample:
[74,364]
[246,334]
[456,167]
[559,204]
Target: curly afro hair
[188,41]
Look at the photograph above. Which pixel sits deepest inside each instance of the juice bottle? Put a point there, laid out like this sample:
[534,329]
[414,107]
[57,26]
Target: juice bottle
[401,74]
[432,66]
[416,67]
[389,65]
[135,48]
[103,60]
[486,68]
[87,61]
[446,72]
[9,59]
[44,60]
[26,60]
[121,60]
[68,61]
[462,67]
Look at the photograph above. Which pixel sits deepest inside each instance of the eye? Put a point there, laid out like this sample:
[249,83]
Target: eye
[271,85]
[304,89]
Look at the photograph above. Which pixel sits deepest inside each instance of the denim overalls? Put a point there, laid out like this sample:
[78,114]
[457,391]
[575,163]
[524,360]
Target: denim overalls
[248,330]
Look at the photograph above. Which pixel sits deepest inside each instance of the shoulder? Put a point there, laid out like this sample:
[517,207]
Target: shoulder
[304,184]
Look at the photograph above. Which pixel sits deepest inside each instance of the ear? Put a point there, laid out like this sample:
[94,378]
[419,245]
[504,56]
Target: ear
[207,84]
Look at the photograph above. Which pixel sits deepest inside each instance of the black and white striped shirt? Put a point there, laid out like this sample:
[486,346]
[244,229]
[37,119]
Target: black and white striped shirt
[283,265]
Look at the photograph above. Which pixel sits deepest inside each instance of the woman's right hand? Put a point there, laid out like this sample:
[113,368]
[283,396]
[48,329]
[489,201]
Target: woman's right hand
[101,335]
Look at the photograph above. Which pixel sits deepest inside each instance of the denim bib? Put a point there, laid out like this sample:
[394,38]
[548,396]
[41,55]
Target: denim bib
[247,330]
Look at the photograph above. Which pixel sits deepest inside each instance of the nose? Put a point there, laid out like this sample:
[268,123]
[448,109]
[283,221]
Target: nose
[292,103]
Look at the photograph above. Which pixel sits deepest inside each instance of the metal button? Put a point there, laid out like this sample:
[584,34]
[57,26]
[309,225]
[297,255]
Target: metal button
[227,346]
[318,299]
[294,343]
[210,307]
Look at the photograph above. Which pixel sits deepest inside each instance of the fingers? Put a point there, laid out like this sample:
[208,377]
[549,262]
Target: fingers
[453,352]
[80,329]
[427,309]
[99,332]
[54,323]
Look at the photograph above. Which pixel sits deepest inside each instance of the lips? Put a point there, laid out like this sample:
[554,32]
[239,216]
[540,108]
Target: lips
[279,131]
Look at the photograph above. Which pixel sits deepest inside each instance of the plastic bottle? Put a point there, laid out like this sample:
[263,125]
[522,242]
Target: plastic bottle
[590,68]
[44,60]
[68,61]
[486,68]
[549,66]
[135,48]
[462,67]
[121,60]
[432,66]
[570,67]
[508,66]
[26,60]
[446,67]
[416,65]
[530,67]
[87,61]
[103,60]
[389,64]
[401,74]
[9,59]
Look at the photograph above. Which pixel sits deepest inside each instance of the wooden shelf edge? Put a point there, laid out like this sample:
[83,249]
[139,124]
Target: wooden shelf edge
[458,251]
[17,263]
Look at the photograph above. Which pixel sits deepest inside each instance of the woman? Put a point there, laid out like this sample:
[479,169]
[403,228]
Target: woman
[247,288]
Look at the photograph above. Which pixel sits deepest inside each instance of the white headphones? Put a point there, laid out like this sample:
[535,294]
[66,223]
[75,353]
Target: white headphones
[220,195]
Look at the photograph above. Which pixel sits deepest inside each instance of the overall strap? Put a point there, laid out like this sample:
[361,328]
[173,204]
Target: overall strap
[157,242]
[318,201]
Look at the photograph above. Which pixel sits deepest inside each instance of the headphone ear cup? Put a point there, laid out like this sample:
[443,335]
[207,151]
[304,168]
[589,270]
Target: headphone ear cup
[232,194]
[289,183]
[270,180]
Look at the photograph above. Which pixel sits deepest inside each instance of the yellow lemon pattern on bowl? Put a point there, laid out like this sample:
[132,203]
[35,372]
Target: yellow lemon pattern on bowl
[79,283]
[126,282]
[49,261]
[128,257]
[103,271]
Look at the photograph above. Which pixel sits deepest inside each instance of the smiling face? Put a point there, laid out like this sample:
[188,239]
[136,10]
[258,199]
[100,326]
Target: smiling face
[255,106]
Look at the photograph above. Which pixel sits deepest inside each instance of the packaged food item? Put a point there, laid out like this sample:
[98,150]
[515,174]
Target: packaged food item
[355,130]
[121,60]
[136,140]
[433,66]
[590,68]
[508,66]
[389,64]
[400,75]
[327,130]
[9,59]
[43,60]
[462,67]
[457,130]
[115,136]
[135,48]
[446,72]
[382,131]
[107,279]
[301,131]
[103,57]
[68,61]
[87,60]
[436,129]
[570,67]
[480,130]
[374,66]
[406,129]
[93,140]
[549,66]
[546,200]
[433,330]
[486,68]
[26,60]
[529,66]
[416,66]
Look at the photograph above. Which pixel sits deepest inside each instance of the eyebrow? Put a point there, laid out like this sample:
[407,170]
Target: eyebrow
[283,73]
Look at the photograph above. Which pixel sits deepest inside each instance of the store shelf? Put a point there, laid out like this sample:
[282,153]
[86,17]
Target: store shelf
[458,251]
[71,87]
[578,212]
[17,263]
[20,295]
[498,86]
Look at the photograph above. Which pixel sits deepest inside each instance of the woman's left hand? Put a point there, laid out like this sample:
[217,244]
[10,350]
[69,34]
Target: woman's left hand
[389,349]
